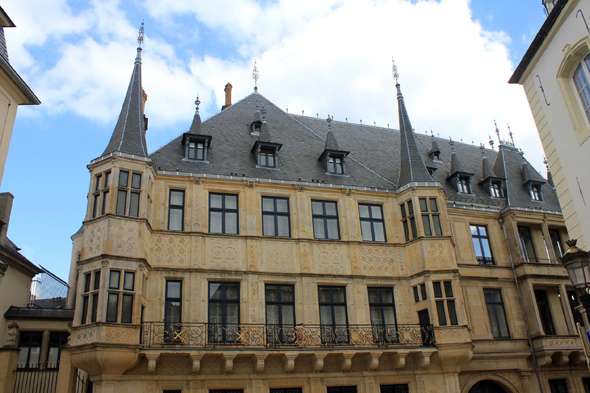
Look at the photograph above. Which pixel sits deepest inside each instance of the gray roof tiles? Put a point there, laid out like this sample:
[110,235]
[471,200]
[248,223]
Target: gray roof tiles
[129,134]
[373,162]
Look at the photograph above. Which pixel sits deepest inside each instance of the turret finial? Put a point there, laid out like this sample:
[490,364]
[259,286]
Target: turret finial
[329,120]
[546,162]
[141,35]
[497,130]
[255,76]
[510,134]
[197,103]
[491,141]
[394,69]
[263,113]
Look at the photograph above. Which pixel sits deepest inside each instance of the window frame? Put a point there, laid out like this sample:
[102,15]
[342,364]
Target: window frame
[175,207]
[35,340]
[556,240]
[547,325]
[442,303]
[121,293]
[127,192]
[483,260]
[372,222]
[408,219]
[100,194]
[267,157]
[464,184]
[333,167]
[90,297]
[170,329]
[430,215]
[324,217]
[523,244]
[496,306]
[213,335]
[381,332]
[535,191]
[329,331]
[223,210]
[288,331]
[496,189]
[275,215]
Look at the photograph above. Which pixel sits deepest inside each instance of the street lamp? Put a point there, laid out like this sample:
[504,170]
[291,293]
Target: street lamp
[577,263]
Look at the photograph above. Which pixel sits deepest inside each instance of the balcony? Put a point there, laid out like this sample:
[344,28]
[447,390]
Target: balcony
[262,336]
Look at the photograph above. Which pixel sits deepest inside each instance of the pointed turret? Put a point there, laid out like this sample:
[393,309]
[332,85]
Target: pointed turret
[331,143]
[196,125]
[434,151]
[457,166]
[529,174]
[412,168]
[129,134]
[264,148]
[196,143]
[486,167]
[264,131]
[332,157]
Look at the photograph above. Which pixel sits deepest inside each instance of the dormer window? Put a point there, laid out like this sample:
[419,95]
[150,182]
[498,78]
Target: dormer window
[463,184]
[436,156]
[255,128]
[196,151]
[267,157]
[496,189]
[196,146]
[336,165]
[535,192]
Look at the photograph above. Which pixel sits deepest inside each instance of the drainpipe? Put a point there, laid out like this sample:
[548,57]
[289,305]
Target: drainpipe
[526,325]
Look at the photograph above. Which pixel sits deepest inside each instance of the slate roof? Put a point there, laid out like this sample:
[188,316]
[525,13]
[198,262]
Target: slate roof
[129,134]
[373,162]
[196,124]
[486,167]
[331,143]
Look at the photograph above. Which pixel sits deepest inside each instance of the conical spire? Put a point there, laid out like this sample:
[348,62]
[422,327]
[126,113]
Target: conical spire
[486,166]
[196,125]
[264,131]
[529,174]
[331,143]
[129,134]
[412,168]
[434,147]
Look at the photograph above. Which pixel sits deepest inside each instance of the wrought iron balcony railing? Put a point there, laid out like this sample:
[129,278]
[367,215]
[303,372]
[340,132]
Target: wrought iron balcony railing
[210,335]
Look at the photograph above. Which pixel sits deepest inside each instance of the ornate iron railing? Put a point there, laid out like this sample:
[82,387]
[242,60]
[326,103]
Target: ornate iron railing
[209,335]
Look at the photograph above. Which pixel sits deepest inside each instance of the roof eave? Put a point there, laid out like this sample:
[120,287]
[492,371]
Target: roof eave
[19,82]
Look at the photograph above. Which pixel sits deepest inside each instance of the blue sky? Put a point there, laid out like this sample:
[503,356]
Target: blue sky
[454,58]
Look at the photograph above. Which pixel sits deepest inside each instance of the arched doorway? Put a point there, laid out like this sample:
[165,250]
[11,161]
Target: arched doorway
[486,387]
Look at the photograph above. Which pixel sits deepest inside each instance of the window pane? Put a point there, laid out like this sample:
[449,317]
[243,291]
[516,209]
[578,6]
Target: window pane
[406,231]
[486,247]
[134,205]
[316,208]
[376,315]
[330,208]
[97,279]
[416,294]
[376,212]
[494,326]
[477,247]
[340,315]
[129,281]
[440,309]
[87,282]
[387,295]
[175,223]
[339,294]
[413,225]
[271,293]
[426,223]
[112,307]
[231,201]
[172,312]
[216,201]
[288,315]
[403,209]
[448,289]
[127,309]
[423,291]
[366,231]
[433,205]
[318,228]
[324,294]
[114,279]
[474,230]
[215,313]
[215,224]
[123,178]
[215,290]
[268,225]
[282,205]
[231,223]
[84,310]
[121,202]
[232,313]
[326,315]
[52,357]
[35,354]
[268,205]
[232,291]
[423,205]
[173,291]
[379,231]
[410,208]
[436,223]
[364,211]
[452,312]
[94,310]
[287,293]
[333,228]
[373,295]
[136,181]
[107,178]
[272,314]
[283,226]
[388,315]
[105,202]
[437,289]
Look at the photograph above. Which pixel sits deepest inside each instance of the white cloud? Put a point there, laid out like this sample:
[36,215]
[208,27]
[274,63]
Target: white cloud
[318,56]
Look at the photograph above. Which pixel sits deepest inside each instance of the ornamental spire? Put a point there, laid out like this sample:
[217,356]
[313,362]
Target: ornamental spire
[255,76]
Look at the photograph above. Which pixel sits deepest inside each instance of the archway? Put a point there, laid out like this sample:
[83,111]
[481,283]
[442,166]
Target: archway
[486,387]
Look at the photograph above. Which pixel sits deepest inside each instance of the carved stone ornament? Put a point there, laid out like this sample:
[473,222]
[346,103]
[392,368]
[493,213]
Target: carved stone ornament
[12,335]
[571,242]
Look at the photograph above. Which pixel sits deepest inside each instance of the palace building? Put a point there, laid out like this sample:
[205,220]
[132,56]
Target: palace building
[262,251]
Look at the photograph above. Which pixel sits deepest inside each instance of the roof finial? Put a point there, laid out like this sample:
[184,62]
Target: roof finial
[491,142]
[141,35]
[329,120]
[510,134]
[197,103]
[255,76]
[263,113]
[497,131]
[395,73]
[452,143]
[546,162]
[431,133]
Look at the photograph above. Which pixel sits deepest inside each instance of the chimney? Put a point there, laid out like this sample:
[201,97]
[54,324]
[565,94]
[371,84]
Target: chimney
[227,90]
[6,199]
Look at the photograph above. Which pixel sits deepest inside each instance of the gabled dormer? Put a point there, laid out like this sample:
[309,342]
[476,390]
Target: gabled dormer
[266,151]
[434,151]
[196,144]
[459,175]
[332,157]
[532,181]
[256,125]
[493,184]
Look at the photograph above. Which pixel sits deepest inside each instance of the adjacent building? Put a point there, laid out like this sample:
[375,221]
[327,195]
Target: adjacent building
[554,73]
[264,251]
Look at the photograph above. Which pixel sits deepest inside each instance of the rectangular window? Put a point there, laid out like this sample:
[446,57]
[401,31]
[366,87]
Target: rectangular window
[558,386]
[556,242]
[573,300]
[335,165]
[275,217]
[423,292]
[496,189]
[267,158]
[112,307]
[586,383]
[416,294]
[173,311]
[383,318]
[87,282]
[536,193]
[430,217]
[29,344]
[333,315]
[136,181]
[280,313]
[97,280]
[544,312]
[94,312]
[446,305]
[96,199]
[123,178]
[176,211]
[402,388]
[481,244]
[105,202]
[56,340]
[496,313]
[196,151]
[127,308]
[125,189]
[526,242]
[325,220]
[107,178]
[223,213]
[224,312]
[128,281]
[121,202]
[463,185]
[114,278]
[341,389]
[409,221]
[372,223]
[84,310]
[134,204]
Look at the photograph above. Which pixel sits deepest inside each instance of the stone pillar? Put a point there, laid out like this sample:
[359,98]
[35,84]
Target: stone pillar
[66,378]
[8,361]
